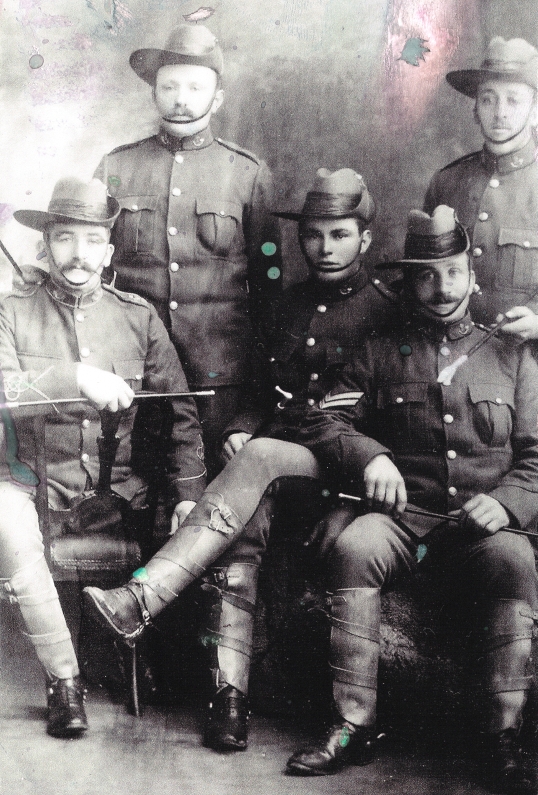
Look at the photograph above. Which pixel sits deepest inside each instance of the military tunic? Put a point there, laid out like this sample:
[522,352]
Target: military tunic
[44,333]
[189,239]
[477,435]
[496,199]
[315,331]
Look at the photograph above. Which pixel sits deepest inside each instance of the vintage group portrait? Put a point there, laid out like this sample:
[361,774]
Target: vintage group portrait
[268,396]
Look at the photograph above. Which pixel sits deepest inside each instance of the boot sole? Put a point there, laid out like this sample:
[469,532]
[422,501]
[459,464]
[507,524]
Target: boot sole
[67,733]
[103,618]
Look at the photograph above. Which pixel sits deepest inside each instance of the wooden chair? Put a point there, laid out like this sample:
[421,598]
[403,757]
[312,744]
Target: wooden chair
[104,558]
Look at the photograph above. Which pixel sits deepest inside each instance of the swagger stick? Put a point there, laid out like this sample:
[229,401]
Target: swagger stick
[447,373]
[10,258]
[18,404]
[445,517]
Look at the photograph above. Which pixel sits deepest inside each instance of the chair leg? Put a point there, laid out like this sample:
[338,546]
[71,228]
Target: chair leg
[134,683]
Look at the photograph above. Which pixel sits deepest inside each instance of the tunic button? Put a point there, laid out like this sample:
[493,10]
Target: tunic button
[86,423]
[310,341]
[179,158]
[84,457]
[452,491]
[173,305]
[448,418]
[314,376]
[84,352]
[172,230]
[80,317]
[498,400]
[451,454]
[483,216]
[376,281]
[176,191]
[526,243]
[322,308]
[138,377]
[445,351]
[477,252]
[174,267]
[134,207]
[310,401]
[494,183]
[399,400]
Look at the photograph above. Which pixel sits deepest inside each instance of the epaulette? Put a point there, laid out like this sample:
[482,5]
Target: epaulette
[23,289]
[385,290]
[463,159]
[130,298]
[239,150]
[132,145]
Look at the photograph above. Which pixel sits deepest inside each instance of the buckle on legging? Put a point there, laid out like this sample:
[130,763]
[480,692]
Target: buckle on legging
[220,521]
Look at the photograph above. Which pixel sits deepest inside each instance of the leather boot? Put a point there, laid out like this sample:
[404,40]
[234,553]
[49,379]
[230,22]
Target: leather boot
[65,701]
[127,610]
[231,592]
[355,617]
[506,667]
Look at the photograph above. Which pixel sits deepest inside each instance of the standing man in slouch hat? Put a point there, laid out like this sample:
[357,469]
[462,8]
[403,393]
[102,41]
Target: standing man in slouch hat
[195,236]
[495,191]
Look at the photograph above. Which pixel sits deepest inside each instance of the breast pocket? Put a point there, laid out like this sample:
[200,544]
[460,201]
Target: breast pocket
[217,223]
[518,258]
[493,407]
[135,228]
[132,371]
[404,415]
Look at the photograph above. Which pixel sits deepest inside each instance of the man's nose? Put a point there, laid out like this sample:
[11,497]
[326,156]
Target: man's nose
[325,245]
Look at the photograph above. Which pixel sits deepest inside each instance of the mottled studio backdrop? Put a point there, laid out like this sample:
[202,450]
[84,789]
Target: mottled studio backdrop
[308,83]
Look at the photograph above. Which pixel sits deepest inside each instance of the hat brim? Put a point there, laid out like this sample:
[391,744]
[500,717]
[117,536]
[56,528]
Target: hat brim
[325,216]
[146,63]
[39,220]
[466,81]
[402,263]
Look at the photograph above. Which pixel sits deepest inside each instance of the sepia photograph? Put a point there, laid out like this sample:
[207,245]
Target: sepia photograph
[269,397]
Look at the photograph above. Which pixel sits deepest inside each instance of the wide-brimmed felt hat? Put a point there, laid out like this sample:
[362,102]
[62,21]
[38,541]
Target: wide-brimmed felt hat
[431,238]
[338,194]
[74,200]
[513,61]
[187,44]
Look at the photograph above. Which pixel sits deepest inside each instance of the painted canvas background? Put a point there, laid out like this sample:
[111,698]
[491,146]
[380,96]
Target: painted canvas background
[308,83]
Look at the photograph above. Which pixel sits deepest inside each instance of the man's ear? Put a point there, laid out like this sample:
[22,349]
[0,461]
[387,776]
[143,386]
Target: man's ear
[218,99]
[366,239]
[472,282]
[42,252]
[475,113]
[108,255]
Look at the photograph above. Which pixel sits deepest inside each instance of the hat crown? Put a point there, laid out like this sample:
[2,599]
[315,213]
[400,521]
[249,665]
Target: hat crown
[511,53]
[72,191]
[442,220]
[191,40]
[343,181]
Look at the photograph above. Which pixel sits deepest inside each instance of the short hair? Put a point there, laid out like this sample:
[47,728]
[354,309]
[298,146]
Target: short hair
[361,224]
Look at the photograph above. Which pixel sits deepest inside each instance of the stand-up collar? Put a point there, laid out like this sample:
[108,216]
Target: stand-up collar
[504,164]
[438,331]
[198,141]
[62,296]
[340,289]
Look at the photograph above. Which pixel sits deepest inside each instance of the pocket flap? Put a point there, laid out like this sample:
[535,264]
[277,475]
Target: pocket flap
[525,238]
[500,394]
[412,392]
[136,203]
[130,370]
[221,207]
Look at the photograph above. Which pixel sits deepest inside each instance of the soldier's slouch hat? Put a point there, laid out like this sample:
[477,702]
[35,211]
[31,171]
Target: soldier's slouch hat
[431,239]
[513,61]
[187,44]
[339,194]
[74,200]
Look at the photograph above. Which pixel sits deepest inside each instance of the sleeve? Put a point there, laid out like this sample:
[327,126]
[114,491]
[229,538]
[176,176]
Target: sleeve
[52,380]
[518,489]
[335,430]
[264,251]
[185,469]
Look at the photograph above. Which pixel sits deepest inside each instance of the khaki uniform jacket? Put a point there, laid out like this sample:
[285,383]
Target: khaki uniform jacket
[477,435]
[189,239]
[44,333]
[496,199]
[316,328]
